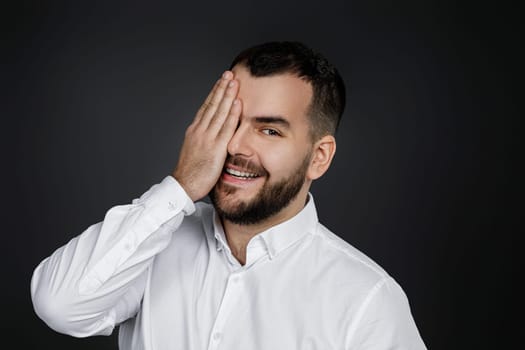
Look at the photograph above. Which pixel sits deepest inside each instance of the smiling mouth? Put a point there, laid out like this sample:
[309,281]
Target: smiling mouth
[242,175]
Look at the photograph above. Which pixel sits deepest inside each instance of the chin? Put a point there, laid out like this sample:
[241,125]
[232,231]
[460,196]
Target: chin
[229,198]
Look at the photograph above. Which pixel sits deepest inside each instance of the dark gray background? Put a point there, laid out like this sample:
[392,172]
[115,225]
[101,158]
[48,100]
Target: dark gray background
[96,99]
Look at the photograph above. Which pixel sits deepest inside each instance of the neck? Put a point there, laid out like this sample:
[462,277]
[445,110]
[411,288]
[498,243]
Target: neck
[238,236]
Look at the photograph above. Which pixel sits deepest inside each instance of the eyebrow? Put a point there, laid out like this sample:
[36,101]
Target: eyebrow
[273,120]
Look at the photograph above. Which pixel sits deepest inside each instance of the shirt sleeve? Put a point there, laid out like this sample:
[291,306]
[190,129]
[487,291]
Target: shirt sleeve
[97,280]
[384,321]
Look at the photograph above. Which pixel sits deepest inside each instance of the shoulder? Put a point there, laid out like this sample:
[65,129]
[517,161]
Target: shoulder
[351,266]
[371,299]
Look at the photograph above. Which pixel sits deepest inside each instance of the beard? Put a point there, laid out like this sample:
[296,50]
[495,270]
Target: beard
[270,199]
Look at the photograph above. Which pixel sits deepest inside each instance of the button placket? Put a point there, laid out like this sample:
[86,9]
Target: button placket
[229,300]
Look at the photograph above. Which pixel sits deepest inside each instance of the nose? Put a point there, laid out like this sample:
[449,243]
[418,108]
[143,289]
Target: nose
[240,144]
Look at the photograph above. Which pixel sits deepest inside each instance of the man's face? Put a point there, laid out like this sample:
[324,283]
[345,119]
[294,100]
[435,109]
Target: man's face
[269,154]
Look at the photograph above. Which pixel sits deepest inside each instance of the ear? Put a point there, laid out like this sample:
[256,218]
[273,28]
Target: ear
[322,155]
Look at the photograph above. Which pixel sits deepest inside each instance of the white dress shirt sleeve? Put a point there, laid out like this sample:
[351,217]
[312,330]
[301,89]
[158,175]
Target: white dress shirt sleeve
[97,280]
[385,321]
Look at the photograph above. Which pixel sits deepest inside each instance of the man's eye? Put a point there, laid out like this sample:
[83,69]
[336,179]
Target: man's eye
[270,132]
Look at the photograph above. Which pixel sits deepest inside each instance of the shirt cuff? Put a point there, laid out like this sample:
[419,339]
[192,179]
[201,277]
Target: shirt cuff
[166,200]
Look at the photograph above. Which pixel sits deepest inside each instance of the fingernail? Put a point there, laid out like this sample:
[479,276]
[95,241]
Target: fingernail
[231,83]
[226,75]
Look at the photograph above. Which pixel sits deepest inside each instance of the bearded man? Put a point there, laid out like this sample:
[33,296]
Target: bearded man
[254,270]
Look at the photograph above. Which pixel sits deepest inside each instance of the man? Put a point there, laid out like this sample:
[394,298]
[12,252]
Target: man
[254,271]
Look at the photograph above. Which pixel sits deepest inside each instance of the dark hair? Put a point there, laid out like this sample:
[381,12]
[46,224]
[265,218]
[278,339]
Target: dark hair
[328,100]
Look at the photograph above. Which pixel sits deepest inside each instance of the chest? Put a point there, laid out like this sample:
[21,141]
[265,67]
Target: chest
[199,301]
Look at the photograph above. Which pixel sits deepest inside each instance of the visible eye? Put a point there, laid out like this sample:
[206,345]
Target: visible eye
[271,132]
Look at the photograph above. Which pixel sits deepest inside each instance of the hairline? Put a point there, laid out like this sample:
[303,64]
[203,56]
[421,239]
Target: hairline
[311,110]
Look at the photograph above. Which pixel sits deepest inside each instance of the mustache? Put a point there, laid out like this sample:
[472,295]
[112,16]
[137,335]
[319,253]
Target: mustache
[246,165]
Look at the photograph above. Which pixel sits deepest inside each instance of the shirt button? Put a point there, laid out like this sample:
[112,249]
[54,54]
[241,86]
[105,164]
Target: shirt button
[217,336]
[235,279]
[171,206]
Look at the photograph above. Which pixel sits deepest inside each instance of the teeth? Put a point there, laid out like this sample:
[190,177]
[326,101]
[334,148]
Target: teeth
[240,173]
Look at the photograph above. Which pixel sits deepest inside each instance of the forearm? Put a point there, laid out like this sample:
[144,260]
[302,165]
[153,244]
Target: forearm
[97,279]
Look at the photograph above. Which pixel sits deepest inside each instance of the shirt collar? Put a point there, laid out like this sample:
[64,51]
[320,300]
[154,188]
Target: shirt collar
[276,238]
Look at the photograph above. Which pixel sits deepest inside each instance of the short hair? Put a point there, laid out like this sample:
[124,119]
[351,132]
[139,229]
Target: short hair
[329,93]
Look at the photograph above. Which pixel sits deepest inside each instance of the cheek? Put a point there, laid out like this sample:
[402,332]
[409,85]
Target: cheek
[280,162]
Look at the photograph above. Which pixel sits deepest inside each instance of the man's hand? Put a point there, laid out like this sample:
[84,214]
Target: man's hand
[205,144]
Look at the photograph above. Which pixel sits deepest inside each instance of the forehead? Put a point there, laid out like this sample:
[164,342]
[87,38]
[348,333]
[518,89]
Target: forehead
[282,95]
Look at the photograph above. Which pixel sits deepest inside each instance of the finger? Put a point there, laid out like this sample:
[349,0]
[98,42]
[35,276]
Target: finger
[232,121]
[202,108]
[208,99]
[224,107]
[216,97]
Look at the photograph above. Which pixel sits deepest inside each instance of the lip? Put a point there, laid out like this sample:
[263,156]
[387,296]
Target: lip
[238,168]
[238,182]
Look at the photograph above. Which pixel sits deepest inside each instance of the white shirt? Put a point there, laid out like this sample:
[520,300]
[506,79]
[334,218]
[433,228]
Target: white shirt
[161,267]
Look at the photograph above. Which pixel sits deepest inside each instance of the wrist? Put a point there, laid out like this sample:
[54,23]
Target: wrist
[186,187]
